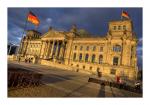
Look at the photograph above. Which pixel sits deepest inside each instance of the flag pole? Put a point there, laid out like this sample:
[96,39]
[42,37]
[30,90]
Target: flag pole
[25,23]
[121,15]
[24,29]
[36,27]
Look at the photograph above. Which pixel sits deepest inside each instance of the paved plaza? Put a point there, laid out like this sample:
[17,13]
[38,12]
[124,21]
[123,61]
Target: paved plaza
[63,83]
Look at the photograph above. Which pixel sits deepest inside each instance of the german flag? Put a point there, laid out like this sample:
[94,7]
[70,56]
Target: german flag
[125,14]
[33,19]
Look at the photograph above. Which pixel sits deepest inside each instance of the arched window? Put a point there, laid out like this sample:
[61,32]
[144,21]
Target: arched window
[93,58]
[80,57]
[86,57]
[74,56]
[117,48]
[100,59]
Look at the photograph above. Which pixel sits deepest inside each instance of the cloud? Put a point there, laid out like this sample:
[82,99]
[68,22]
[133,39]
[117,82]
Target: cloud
[15,34]
[141,39]
[139,48]
[49,20]
[95,20]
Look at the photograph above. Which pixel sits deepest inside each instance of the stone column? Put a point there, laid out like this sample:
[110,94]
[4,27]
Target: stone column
[60,51]
[48,49]
[63,49]
[52,49]
[56,52]
[42,50]
[66,54]
[45,50]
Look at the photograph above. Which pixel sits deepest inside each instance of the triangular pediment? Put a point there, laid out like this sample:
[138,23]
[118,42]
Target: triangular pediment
[53,34]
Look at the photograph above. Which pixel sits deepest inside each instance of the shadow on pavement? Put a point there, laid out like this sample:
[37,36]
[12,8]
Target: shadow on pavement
[75,90]
[102,91]
[53,78]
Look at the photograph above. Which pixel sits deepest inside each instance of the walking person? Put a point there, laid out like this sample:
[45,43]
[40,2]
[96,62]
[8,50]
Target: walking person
[19,59]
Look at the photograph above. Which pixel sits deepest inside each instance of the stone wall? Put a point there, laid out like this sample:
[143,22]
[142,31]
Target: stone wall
[12,57]
[65,67]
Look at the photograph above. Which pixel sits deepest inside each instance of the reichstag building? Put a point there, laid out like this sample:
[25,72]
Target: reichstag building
[112,55]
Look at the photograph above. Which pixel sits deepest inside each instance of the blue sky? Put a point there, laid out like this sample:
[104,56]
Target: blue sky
[94,20]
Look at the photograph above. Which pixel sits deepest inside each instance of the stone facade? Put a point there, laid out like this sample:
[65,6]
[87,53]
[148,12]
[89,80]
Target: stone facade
[114,54]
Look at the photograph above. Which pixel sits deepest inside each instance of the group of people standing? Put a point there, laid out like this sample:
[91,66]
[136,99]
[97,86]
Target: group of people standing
[29,60]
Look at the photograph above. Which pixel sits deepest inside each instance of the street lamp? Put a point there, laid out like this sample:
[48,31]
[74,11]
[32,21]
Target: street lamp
[10,48]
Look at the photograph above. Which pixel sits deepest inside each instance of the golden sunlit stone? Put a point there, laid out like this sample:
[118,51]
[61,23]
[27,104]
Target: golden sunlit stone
[114,54]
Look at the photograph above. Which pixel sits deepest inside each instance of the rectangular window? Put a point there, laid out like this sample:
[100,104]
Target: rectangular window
[117,48]
[93,58]
[86,57]
[113,71]
[119,27]
[100,59]
[80,57]
[101,49]
[114,27]
[115,61]
[124,27]
[74,56]
[75,48]
[94,48]
[81,48]
[87,48]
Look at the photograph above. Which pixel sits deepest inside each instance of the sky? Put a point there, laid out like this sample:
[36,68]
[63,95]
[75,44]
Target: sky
[94,20]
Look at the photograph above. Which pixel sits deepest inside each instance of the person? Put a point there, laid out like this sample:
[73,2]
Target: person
[117,79]
[137,85]
[25,60]
[29,60]
[120,81]
[99,73]
[19,59]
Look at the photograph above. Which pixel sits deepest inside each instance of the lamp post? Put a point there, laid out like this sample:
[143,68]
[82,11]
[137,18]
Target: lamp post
[10,48]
